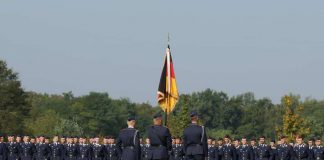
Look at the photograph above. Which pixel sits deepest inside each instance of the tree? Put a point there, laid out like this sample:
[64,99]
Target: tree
[180,120]
[13,106]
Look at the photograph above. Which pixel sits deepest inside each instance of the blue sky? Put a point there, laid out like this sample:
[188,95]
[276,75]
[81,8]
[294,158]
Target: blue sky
[267,47]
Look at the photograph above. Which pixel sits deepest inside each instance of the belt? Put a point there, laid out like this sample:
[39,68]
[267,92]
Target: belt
[129,147]
[157,145]
[195,145]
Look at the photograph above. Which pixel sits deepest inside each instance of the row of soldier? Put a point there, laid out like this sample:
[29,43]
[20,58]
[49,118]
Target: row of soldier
[159,145]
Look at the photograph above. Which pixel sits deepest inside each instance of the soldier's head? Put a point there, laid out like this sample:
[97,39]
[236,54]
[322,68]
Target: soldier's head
[62,140]
[41,139]
[317,141]
[11,138]
[209,141]
[18,138]
[96,140]
[253,142]
[47,140]
[272,142]
[244,141]
[26,138]
[178,140]
[131,122]
[1,138]
[220,141]
[112,140]
[55,139]
[147,141]
[194,117]
[299,139]
[262,139]
[82,140]
[237,142]
[283,139]
[311,142]
[32,140]
[75,139]
[106,140]
[157,119]
[69,140]
[227,139]
[214,142]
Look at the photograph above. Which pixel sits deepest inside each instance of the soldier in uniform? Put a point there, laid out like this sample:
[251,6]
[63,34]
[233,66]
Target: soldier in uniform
[284,151]
[263,150]
[301,150]
[55,149]
[128,143]
[70,150]
[2,148]
[160,138]
[244,151]
[110,150]
[12,149]
[27,149]
[310,147]
[211,149]
[273,149]
[42,149]
[145,149]
[219,148]
[228,151]
[97,149]
[318,150]
[177,150]
[195,140]
[84,150]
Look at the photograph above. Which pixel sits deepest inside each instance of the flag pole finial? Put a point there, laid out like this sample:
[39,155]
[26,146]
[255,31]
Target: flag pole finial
[168,40]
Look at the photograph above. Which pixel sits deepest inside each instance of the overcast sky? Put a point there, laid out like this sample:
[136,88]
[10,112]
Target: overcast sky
[270,48]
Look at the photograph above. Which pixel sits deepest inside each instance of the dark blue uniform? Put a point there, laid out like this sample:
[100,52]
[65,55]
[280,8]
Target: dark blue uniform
[84,152]
[42,151]
[128,144]
[318,153]
[263,152]
[301,152]
[195,142]
[284,152]
[12,151]
[55,151]
[70,151]
[110,152]
[144,151]
[211,152]
[161,142]
[245,152]
[97,152]
[177,152]
[27,151]
[228,152]
[3,151]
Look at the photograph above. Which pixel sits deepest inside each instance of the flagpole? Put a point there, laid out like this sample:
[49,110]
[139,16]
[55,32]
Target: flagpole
[168,96]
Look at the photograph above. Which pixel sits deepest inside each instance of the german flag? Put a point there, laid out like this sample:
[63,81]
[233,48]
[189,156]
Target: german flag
[168,93]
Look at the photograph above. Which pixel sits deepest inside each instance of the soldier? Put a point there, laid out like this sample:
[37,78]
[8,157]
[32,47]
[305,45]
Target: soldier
[70,150]
[177,150]
[263,150]
[284,151]
[195,140]
[228,151]
[47,140]
[211,149]
[27,149]
[145,149]
[110,152]
[301,150]
[33,140]
[244,151]
[2,148]
[12,149]
[97,149]
[55,149]
[218,151]
[128,143]
[84,150]
[42,149]
[318,150]
[310,147]
[237,143]
[273,149]
[160,138]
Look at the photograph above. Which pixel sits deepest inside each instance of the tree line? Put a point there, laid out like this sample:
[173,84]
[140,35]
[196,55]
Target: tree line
[26,112]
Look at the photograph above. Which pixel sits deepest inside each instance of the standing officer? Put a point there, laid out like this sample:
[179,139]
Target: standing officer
[244,151]
[145,149]
[160,138]
[301,149]
[2,148]
[228,151]
[195,140]
[128,142]
[110,150]
[70,150]
[42,149]
[12,149]
[211,149]
[27,149]
[177,150]
[263,151]
[84,150]
[55,149]
[284,150]
[318,150]
[97,149]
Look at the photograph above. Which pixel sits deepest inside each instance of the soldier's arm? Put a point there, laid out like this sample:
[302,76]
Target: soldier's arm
[138,145]
[118,146]
[168,140]
[204,142]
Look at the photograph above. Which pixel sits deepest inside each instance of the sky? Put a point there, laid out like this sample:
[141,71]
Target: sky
[270,48]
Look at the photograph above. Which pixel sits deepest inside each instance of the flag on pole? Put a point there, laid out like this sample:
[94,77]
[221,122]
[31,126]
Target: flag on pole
[168,93]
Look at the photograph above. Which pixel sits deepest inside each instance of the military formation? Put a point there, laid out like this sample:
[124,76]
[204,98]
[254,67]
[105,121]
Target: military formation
[159,145]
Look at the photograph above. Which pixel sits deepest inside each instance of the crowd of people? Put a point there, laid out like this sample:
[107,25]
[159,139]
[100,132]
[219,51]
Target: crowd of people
[193,145]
